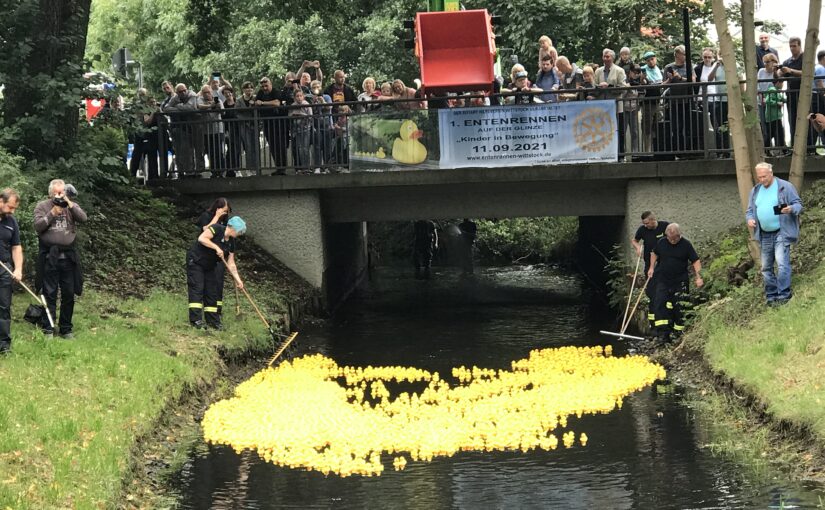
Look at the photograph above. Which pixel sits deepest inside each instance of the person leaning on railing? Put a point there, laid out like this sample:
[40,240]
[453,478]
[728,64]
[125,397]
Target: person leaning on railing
[323,132]
[818,94]
[712,69]
[211,108]
[405,96]
[635,78]
[570,79]
[181,110]
[370,94]
[522,92]
[650,106]
[680,101]
[589,91]
[771,102]
[301,116]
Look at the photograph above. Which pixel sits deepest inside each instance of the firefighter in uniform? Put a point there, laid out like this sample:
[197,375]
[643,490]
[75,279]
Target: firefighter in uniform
[218,213]
[215,245]
[649,232]
[669,263]
[11,254]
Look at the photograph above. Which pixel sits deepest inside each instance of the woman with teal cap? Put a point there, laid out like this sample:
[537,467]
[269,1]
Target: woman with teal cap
[215,245]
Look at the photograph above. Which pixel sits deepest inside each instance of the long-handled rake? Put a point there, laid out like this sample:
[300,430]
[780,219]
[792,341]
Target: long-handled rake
[626,322]
[274,334]
[281,349]
[40,299]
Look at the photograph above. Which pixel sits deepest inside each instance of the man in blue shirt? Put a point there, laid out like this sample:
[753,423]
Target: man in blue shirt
[547,80]
[773,214]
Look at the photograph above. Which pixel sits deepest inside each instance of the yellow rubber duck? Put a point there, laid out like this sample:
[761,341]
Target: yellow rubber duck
[407,149]
[380,154]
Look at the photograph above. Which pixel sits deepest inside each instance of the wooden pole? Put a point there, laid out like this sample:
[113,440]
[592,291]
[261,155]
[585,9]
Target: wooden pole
[40,299]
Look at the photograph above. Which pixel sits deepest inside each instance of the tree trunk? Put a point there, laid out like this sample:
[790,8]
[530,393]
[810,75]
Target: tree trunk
[736,115]
[44,74]
[797,175]
[752,124]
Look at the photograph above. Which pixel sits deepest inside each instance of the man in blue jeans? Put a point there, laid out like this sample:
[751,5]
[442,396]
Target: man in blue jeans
[773,214]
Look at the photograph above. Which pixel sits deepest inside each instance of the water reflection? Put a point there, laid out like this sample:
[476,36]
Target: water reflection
[644,456]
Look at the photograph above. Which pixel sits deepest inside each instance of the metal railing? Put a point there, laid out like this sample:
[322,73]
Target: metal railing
[685,121]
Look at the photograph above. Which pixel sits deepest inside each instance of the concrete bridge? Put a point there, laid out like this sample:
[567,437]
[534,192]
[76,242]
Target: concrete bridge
[316,225]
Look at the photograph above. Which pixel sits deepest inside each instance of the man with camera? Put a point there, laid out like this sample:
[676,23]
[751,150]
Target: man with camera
[11,254]
[773,214]
[55,221]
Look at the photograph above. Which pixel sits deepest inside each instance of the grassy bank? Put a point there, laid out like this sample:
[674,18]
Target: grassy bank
[771,359]
[74,414]
[72,411]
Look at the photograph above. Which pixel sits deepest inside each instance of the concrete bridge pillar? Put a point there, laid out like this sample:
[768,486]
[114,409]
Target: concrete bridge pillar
[332,257]
[703,206]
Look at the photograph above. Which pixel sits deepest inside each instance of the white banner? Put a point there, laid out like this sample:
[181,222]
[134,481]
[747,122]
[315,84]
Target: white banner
[540,134]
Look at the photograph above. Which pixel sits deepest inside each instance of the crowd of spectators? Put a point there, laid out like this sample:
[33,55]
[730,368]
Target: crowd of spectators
[304,124]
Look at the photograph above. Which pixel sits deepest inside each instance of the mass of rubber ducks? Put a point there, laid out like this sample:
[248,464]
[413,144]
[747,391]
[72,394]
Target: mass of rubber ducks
[313,414]
[380,154]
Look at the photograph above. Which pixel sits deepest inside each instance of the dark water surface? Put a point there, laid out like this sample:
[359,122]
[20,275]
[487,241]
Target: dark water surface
[648,455]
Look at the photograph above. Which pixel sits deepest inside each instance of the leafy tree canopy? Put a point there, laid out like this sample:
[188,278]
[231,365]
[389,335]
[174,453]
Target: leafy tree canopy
[186,41]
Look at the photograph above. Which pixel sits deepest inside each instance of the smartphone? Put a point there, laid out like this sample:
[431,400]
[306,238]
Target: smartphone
[777,209]
[216,75]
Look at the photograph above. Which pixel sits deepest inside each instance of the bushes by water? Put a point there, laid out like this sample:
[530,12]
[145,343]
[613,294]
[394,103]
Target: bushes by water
[503,241]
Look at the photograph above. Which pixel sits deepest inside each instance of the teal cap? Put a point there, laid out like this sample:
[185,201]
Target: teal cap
[237,224]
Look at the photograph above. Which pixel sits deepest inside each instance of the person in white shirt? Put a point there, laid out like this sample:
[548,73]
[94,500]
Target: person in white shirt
[713,70]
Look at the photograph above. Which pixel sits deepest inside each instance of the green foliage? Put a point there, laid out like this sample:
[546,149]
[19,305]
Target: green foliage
[581,29]
[186,41]
[41,68]
[29,187]
[531,239]
[619,277]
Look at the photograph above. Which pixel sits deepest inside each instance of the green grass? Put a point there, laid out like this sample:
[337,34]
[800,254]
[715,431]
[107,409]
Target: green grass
[72,412]
[778,354]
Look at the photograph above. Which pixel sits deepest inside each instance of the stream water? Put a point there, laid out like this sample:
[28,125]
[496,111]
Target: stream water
[650,454]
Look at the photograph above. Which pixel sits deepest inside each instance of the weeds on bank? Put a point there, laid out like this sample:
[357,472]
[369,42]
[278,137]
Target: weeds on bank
[777,354]
[72,411]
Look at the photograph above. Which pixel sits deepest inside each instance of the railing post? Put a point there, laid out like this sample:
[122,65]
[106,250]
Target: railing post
[163,162]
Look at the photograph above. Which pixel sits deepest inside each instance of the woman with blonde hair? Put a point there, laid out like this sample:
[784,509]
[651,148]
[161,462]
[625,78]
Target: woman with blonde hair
[545,44]
[369,94]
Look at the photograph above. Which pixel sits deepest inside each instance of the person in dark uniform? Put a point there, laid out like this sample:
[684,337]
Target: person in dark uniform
[215,245]
[468,230]
[424,246]
[669,261]
[218,213]
[11,254]
[649,233]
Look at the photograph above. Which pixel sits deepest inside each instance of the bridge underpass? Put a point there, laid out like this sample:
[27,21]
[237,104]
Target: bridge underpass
[316,225]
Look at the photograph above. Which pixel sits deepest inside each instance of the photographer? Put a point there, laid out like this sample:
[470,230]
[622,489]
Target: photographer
[55,221]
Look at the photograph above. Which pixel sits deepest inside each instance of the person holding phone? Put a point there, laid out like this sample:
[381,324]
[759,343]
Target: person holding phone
[55,221]
[773,213]
[218,83]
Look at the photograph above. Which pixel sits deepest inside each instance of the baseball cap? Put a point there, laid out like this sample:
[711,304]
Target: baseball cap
[648,54]
[521,74]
